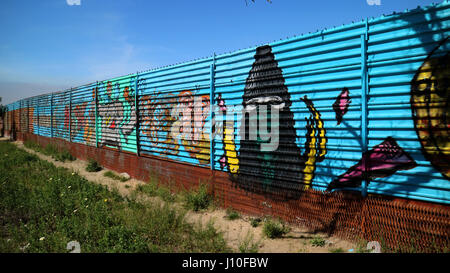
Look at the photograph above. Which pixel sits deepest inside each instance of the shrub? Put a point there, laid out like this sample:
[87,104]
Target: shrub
[274,229]
[254,222]
[318,241]
[198,200]
[152,189]
[93,166]
[232,214]
[247,245]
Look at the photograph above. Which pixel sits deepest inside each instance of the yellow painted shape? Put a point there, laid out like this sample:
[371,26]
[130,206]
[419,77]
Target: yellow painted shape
[230,150]
[310,165]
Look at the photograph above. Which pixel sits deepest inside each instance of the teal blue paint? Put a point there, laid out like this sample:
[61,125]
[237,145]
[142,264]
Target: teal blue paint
[38,123]
[211,114]
[96,114]
[136,107]
[70,115]
[364,98]
[51,115]
[28,116]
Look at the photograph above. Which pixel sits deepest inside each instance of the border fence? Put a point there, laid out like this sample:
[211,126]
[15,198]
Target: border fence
[364,146]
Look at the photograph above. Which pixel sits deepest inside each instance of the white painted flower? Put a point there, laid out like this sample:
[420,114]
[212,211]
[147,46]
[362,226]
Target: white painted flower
[41,239]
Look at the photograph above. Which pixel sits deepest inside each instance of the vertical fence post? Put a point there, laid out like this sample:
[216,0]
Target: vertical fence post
[28,115]
[96,114]
[364,87]
[51,115]
[20,116]
[136,111]
[6,120]
[70,115]
[38,118]
[211,112]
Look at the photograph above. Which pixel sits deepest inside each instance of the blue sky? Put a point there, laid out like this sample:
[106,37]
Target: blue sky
[48,45]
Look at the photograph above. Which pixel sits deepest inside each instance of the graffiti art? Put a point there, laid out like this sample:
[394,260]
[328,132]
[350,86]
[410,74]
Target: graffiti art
[156,122]
[89,127]
[284,172]
[161,113]
[430,108]
[196,143]
[340,106]
[383,160]
[116,118]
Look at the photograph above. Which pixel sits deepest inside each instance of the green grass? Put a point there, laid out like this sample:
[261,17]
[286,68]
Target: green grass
[50,150]
[274,229]
[153,189]
[232,214]
[93,166]
[43,207]
[32,145]
[198,199]
[318,241]
[248,245]
[114,176]
[336,250]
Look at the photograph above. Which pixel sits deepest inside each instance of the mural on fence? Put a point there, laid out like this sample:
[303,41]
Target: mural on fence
[431,109]
[316,86]
[117,115]
[162,112]
[89,126]
[285,171]
[156,121]
[382,161]
[340,106]
[430,112]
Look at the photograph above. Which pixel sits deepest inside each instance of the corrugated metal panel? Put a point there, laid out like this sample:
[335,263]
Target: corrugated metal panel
[83,114]
[23,117]
[44,115]
[61,114]
[398,47]
[167,99]
[354,115]
[116,114]
[34,110]
[312,72]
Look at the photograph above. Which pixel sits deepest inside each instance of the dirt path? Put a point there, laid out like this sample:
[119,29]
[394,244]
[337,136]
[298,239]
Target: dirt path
[236,232]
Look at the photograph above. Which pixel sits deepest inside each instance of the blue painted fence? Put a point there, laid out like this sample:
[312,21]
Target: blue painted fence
[366,109]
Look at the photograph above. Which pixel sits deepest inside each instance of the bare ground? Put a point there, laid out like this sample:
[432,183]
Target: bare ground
[235,232]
